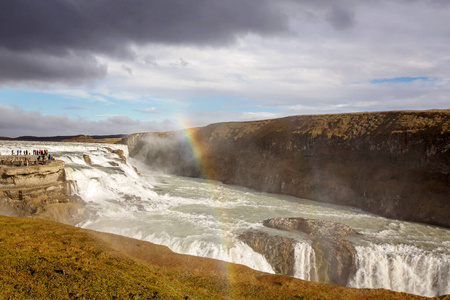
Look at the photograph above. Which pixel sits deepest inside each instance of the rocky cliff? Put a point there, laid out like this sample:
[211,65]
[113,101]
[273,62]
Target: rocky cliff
[395,164]
[333,252]
[39,190]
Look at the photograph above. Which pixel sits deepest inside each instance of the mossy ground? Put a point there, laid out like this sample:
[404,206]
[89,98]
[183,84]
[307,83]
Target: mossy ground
[41,259]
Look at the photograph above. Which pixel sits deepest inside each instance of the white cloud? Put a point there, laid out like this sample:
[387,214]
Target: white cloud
[150,110]
[323,62]
[12,124]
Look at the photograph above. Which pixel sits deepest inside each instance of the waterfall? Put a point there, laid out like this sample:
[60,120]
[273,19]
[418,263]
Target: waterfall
[305,262]
[402,268]
[236,252]
[202,218]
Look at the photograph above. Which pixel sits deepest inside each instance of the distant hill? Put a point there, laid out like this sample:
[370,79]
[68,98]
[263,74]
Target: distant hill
[71,138]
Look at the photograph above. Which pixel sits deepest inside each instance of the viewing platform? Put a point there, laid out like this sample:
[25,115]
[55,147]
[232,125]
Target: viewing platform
[25,190]
[20,160]
[37,173]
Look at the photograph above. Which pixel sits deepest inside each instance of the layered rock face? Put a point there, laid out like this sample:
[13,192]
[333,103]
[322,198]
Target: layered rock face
[278,250]
[333,252]
[37,191]
[395,164]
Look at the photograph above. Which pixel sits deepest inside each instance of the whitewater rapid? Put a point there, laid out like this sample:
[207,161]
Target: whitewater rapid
[204,218]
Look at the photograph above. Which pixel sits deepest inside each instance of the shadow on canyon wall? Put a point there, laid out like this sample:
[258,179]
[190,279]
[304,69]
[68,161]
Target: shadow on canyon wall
[395,164]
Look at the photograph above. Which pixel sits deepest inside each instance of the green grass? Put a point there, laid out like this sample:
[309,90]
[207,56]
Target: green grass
[41,259]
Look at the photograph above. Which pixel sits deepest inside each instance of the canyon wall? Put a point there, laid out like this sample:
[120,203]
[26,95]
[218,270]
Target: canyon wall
[395,164]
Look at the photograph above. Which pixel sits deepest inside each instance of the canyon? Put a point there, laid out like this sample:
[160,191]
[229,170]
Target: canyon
[384,163]
[395,164]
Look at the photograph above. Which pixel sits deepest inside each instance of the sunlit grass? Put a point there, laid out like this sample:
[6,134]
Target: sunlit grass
[41,259]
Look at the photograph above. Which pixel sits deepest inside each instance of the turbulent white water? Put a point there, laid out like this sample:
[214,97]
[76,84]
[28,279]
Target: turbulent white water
[402,268]
[204,218]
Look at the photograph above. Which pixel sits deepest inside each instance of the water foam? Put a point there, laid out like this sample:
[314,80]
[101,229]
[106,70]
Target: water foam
[305,262]
[402,268]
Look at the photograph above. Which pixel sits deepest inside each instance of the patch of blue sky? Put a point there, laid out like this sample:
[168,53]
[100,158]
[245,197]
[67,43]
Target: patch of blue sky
[31,101]
[47,103]
[399,79]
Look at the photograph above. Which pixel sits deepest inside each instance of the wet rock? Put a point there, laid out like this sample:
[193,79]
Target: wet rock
[87,159]
[334,259]
[119,153]
[278,250]
[310,226]
[334,253]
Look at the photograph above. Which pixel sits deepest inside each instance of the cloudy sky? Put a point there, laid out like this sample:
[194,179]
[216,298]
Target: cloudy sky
[95,67]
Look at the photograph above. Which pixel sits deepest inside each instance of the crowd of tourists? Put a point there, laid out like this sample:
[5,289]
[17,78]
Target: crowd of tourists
[26,152]
[28,158]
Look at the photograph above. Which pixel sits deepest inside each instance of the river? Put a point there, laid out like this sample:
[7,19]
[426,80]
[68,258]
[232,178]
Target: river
[204,218]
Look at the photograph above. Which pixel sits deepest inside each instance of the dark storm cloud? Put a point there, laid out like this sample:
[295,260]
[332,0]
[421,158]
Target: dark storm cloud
[109,25]
[36,36]
[38,67]
[340,17]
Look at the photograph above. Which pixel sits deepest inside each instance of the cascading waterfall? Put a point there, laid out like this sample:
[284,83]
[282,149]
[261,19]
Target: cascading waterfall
[305,262]
[402,268]
[237,253]
[204,218]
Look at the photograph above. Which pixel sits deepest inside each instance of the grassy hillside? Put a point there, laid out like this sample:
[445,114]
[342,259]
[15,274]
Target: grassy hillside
[41,259]
[344,126]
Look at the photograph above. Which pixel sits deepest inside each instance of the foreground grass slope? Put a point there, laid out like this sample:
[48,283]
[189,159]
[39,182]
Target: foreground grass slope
[41,259]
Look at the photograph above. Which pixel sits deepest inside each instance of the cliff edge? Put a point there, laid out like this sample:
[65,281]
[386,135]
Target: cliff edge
[38,190]
[395,164]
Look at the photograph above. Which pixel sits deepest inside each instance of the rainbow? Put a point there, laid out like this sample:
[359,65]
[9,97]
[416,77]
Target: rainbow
[197,149]
[206,171]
